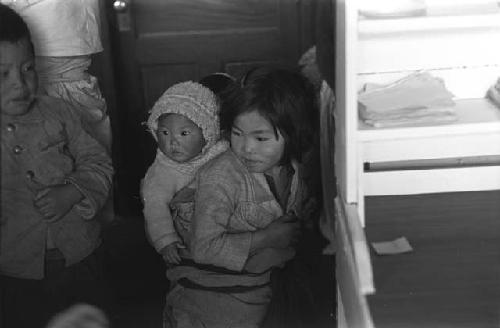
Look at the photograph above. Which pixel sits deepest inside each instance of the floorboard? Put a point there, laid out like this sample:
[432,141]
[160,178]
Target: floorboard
[452,278]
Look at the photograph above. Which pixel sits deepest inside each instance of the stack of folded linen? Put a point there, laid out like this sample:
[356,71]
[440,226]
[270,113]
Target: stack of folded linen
[461,7]
[391,8]
[494,93]
[416,99]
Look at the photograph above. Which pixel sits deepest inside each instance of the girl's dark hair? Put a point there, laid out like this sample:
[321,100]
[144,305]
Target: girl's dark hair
[217,82]
[12,27]
[282,96]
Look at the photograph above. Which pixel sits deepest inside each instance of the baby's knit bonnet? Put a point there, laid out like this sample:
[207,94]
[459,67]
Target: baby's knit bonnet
[194,101]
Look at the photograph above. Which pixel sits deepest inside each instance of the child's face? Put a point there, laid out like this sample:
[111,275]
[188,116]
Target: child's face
[18,79]
[179,138]
[253,140]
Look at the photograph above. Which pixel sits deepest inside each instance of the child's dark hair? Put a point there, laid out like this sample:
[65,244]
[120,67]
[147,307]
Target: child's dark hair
[12,27]
[282,96]
[218,82]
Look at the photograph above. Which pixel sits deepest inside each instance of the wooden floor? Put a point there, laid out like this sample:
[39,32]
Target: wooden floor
[452,278]
[136,275]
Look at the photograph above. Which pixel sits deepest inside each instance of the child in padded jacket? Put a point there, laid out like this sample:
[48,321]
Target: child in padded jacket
[185,123]
[249,205]
[54,179]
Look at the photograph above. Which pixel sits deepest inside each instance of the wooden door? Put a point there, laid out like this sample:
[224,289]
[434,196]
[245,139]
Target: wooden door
[156,43]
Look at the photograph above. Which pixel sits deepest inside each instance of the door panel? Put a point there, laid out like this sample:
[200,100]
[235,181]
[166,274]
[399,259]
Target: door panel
[156,77]
[201,15]
[162,42]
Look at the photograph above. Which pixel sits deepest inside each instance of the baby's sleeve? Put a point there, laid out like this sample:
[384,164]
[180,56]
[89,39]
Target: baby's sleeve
[157,192]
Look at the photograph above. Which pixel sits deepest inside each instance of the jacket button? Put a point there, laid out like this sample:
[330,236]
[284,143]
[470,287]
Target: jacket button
[30,174]
[11,127]
[18,149]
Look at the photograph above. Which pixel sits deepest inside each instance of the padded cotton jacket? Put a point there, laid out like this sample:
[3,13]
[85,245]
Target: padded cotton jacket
[47,146]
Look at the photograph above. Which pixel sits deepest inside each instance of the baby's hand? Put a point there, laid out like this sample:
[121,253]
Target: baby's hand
[55,201]
[171,254]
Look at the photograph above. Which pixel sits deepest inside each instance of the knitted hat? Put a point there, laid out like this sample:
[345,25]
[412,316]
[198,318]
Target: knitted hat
[194,101]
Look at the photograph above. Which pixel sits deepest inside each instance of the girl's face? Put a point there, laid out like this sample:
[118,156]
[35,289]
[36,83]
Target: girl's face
[179,138]
[18,79]
[253,140]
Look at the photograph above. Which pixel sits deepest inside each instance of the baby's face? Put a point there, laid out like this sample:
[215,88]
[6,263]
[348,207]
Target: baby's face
[18,78]
[179,138]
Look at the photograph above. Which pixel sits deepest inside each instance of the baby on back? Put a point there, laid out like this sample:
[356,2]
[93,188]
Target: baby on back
[185,123]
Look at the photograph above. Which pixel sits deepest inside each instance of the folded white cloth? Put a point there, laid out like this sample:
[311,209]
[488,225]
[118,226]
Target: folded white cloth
[411,116]
[461,7]
[408,113]
[416,99]
[494,93]
[417,90]
[391,8]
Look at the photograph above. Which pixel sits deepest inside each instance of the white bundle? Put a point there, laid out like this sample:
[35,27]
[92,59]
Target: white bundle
[418,98]
[494,93]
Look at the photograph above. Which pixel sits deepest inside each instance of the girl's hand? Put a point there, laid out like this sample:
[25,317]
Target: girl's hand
[171,254]
[56,201]
[285,231]
[281,233]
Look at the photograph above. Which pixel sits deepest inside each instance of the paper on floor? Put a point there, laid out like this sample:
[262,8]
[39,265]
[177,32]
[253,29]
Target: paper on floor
[396,246]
